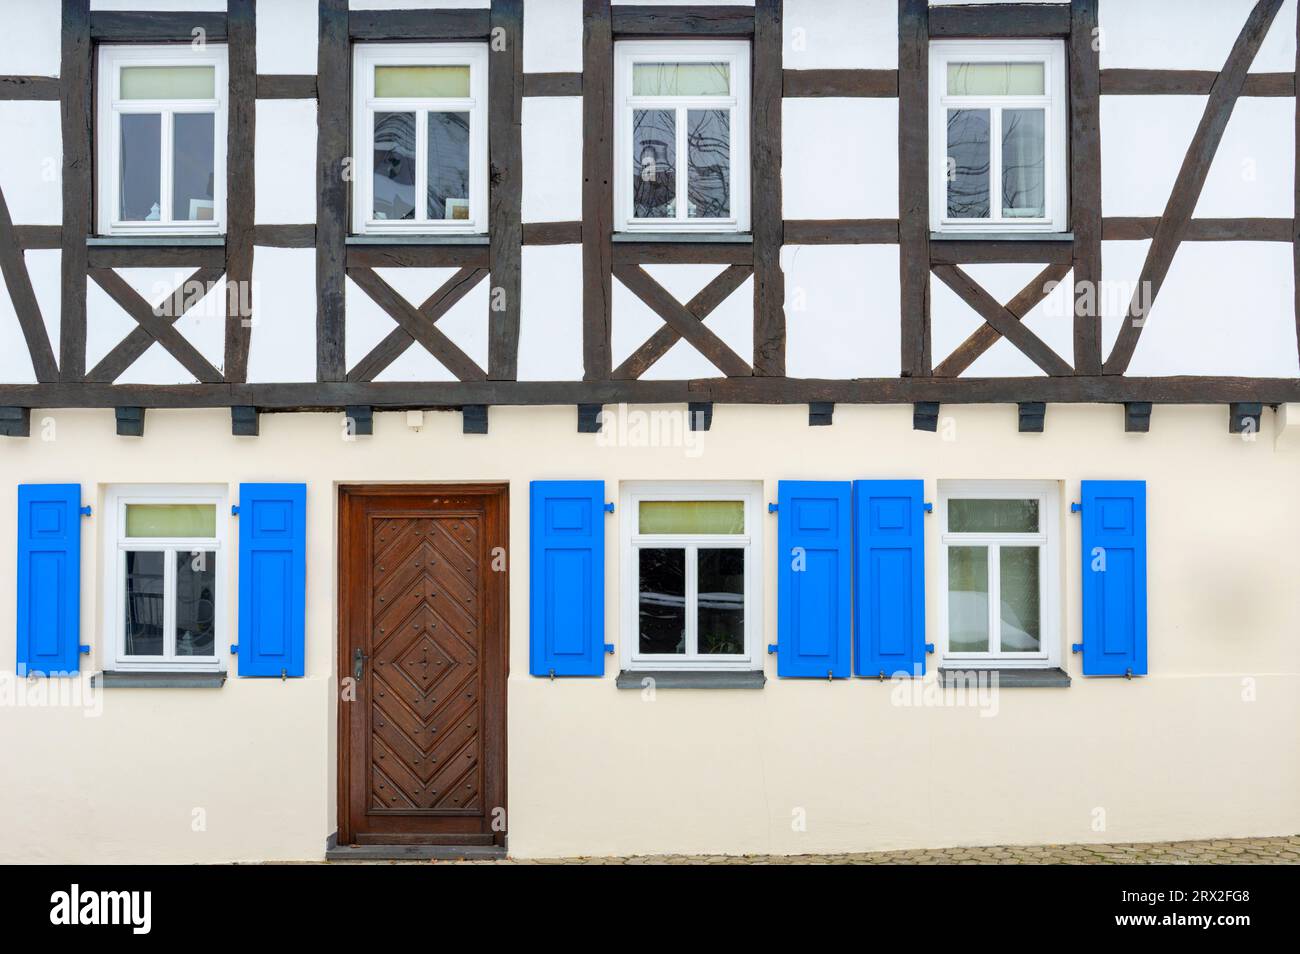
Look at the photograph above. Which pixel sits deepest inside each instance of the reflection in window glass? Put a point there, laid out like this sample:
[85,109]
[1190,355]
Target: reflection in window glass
[662,601]
[448,169]
[196,607]
[144,603]
[141,168]
[1018,580]
[1024,151]
[193,166]
[654,163]
[968,163]
[708,170]
[394,173]
[968,600]
[720,588]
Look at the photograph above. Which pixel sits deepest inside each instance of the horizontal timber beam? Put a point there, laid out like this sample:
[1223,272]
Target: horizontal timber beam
[1000,20]
[866,83]
[286,86]
[475,24]
[841,232]
[120,26]
[1189,83]
[307,396]
[29,87]
[688,21]
[1204,230]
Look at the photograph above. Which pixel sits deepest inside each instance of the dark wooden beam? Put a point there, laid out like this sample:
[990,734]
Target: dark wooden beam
[1244,417]
[155,256]
[700,336]
[841,232]
[505,163]
[552,84]
[597,187]
[683,21]
[589,418]
[683,253]
[130,421]
[700,415]
[1189,83]
[153,26]
[15,422]
[1137,417]
[1029,251]
[925,416]
[1202,230]
[241,18]
[244,421]
[159,327]
[13,267]
[333,129]
[361,420]
[1191,179]
[418,256]
[285,236]
[474,419]
[1085,183]
[552,233]
[765,190]
[1031,414]
[449,24]
[842,82]
[914,185]
[39,236]
[76,105]
[286,86]
[29,87]
[1000,20]
[821,413]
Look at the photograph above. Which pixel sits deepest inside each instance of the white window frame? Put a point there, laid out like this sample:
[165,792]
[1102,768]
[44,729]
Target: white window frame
[1048,540]
[367,56]
[1054,102]
[751,541]
[108,134]
[736,54]
[116,544]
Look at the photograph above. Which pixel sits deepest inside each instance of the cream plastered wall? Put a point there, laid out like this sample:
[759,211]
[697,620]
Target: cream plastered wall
[1204,746]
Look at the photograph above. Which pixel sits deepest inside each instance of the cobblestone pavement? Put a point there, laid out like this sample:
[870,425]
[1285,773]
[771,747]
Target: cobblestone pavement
[1245,851]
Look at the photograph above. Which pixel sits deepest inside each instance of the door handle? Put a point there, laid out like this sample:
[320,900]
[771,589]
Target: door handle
[358,664]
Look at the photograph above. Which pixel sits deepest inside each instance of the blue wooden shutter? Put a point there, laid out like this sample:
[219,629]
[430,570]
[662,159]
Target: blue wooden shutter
[814,585]
[566,618]
[889,577]
[1114,577]
[49,579]
[272,579]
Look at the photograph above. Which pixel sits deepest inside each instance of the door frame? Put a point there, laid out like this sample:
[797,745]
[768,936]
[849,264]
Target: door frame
[496,635]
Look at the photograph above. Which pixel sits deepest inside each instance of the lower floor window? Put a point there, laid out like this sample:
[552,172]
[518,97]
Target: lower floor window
[166,577]
[998,564]
[691,557]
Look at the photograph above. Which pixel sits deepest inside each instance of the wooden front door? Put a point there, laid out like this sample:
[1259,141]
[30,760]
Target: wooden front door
[422,621]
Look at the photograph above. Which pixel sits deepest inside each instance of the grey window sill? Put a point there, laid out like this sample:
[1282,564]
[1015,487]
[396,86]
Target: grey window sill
[717,238]
[673,679]
[153,241]
[1001,236]
[159,680]
[1007,678]
[417,240]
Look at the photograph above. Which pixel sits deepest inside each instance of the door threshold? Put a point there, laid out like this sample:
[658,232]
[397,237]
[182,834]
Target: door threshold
[415,853]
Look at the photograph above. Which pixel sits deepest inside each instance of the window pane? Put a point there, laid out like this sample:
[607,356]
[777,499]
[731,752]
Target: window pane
[449,166]
[394,165]
[193,166]
[996,79]
[654,163]
[691,516]
[662,611]
[171,520]
[968,163]
[141,162]
[721,598]
[1019,609]
[144,603]
[708,163]
[1024,147]
[681,79]
[968,599]
[992,516]
[426,82]
[169,82]
[196,606]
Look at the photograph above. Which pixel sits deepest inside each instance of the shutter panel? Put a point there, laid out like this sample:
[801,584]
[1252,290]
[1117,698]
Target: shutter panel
[566,619]
[1114,577]
[49,579]
[814,584]
[272,579]
[889,577]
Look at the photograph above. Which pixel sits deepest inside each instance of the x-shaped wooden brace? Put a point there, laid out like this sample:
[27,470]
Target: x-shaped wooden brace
[999,319]
[417,324]
[153,326]
[682,321]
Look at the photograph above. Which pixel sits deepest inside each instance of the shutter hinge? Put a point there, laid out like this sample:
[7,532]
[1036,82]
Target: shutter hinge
[609,508]
[84,511]
[882,675]
[552,675]
[609,648]
[830,675]
[771,508]
[929,647]
[234,510]
[1076,647]
[84,649]
[771,648]
[1128,673]
[284,674]
[928,507]
[1076,508]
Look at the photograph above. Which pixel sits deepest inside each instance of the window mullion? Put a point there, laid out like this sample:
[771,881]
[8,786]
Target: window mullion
[995,597]
[421,165]
[682,161]
[169,604]
[165,211]
[692,601]
[995,163]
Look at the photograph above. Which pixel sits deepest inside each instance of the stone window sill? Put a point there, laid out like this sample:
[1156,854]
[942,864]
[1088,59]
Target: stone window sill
[1008,678]
[159,680]
[720,238]
[1025,236]
[459,238]
[678,679]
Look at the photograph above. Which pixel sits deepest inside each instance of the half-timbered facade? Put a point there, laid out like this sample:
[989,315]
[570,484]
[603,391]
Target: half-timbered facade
[592,427]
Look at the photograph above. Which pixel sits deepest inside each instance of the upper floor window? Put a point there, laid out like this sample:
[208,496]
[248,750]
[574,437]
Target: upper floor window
[161,140]
[420,138]
[998,154]
[681,127]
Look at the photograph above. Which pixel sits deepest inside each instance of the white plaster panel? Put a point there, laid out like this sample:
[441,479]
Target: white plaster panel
[632,321]
[1143,142]
[43,268]
[106,324]
[15,361]
[367,323]
[283,339]
[466,323]
[285,162]
[550,320]
[156,366]
[684,282]
[1226,308]
[840,158]
[204,324]
[552,158]
[31,162]
[1253,173]
[553,36]
[1184,34]
[732,321]
[840,34]
[287,34]
[841,311]
[29,42]
[415,364]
